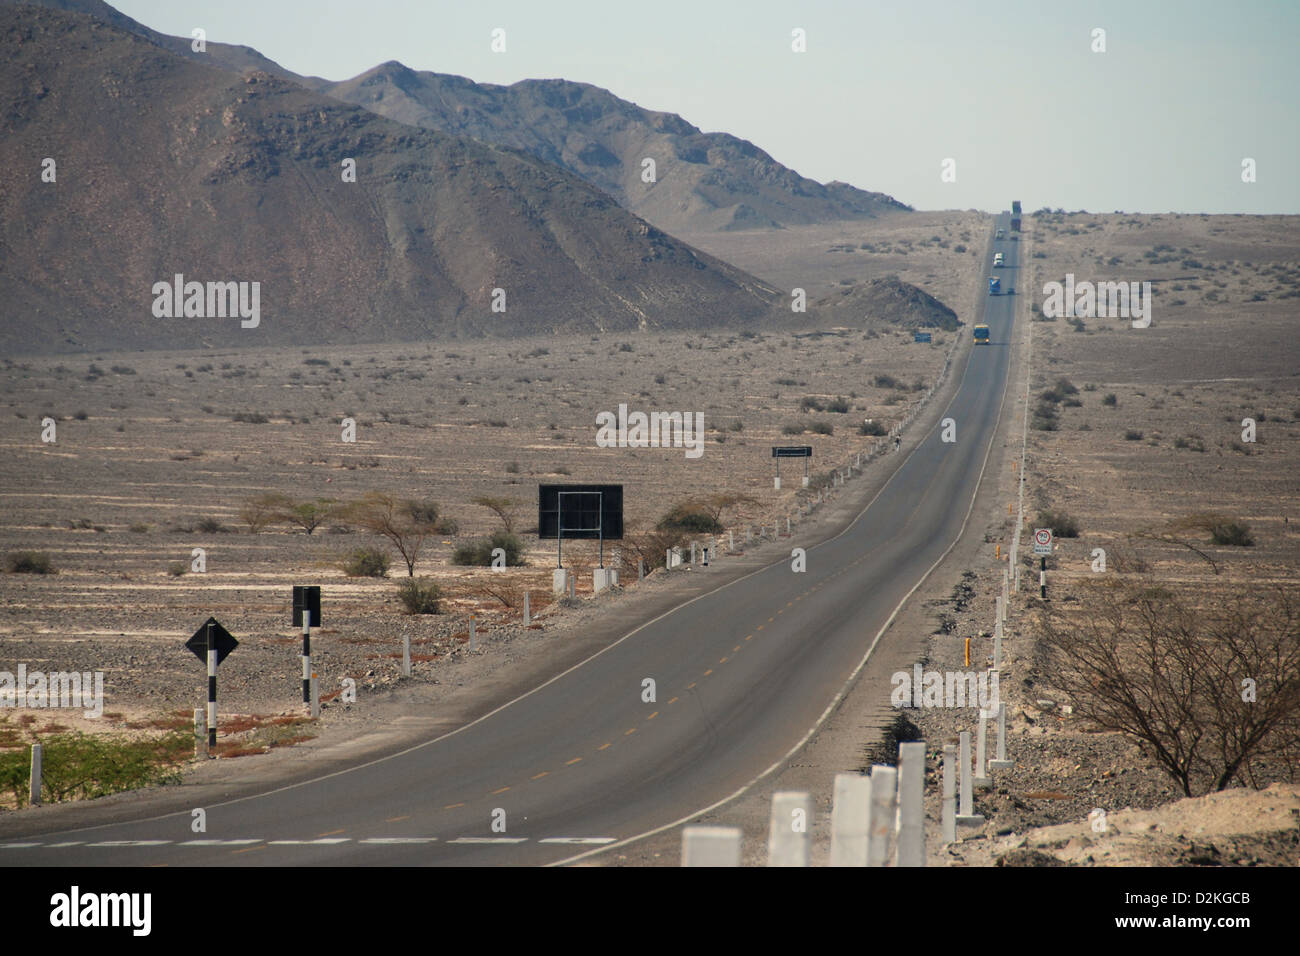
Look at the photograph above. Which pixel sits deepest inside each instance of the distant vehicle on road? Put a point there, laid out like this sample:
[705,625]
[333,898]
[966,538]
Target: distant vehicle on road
[995,285]
[1015,224]
[997,260]
[1015,207]
[999,234]
[981,333]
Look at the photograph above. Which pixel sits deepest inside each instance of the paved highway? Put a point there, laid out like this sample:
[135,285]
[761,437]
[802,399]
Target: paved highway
[742,675]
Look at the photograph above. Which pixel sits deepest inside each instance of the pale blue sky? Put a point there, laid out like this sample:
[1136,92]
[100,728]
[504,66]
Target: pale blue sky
[885,92]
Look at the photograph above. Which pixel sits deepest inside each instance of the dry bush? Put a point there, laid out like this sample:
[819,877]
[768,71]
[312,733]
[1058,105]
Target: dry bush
[1142,659]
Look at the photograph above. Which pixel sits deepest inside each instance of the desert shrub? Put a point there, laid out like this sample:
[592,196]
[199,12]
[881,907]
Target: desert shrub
[838,405]
[419,596]
[1132,434]
[139,527]
[822,428]
[792,430]
[1062,525]
[872,428]
[29,562]
[810,404]
[512,468]
[86,766]
[209,526]
[1110,400]
[689,517]
[478,553]
[366,563]
[177,569]
[252,418]
[886,381]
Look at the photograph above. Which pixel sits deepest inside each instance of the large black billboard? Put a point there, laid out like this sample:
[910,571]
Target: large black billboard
[589,511]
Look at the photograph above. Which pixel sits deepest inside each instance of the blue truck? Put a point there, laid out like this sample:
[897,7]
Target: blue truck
[995,285]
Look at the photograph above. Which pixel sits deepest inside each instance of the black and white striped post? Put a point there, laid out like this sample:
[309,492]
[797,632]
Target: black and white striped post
[1042,579]
[306,658]
[212,693]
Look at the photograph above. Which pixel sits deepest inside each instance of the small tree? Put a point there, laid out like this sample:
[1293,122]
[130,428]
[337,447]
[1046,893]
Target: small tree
[406,524]
[261,510]
[308,515]
[503,508]
[1212,693]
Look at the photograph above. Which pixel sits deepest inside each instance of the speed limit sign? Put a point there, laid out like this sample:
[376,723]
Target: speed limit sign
[1043,541]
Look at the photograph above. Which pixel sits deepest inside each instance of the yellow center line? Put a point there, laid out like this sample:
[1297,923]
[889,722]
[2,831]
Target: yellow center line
[690,685]
[603,746]
[570,763]
[539,776]
[502,790]
[722,660]
[249,849]
[395,819]
[760,627]
[673,701]
[331,833]
[630,732]
[771,619]
[653,716]
[749,637]
[789,604]
[453,806]
[708,672]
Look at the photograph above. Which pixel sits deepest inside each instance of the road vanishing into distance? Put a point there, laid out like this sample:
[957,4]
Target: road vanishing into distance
[742,674]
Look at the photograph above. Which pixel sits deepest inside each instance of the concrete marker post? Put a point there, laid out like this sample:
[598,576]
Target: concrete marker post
[1002,763]
[849,818]
[711,846]
[884,810]
[911,803]
[406,653]
[731,541]
[528,611]
[949,793]
[786,845]
[473,634]
[982,781]
[315,697]
[693,557]
[966,816]
[212,695]
[34,782]
[200,734]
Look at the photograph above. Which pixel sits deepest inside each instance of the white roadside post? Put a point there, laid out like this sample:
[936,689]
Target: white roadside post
[849,816]
[693,556]
[966,816]
[911,804]
[473,634]
[982,781]
[949,794]
[315,697]
[787,839]
[1002,763]
[731,541]
[711,846]
[34,784]
[884,810]
[528,613]
[200,734]
[406,653]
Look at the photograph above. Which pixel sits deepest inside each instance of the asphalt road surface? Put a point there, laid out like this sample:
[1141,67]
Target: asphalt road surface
[741,675]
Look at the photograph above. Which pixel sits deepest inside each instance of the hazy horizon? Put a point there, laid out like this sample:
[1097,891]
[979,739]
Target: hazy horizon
[1160,122]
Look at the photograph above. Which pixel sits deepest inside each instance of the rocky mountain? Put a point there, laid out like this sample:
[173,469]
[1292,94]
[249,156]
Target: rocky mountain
[162,166]
[702,181]
[886,300]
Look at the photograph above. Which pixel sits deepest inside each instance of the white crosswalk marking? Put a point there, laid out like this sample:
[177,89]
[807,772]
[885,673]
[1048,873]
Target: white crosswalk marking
[16,846]
[326,842]
[219,842]
[579,841]
[489,840]
[69,843]
[398,840]
[131,843]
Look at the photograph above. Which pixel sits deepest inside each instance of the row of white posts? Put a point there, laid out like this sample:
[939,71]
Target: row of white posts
[876,819]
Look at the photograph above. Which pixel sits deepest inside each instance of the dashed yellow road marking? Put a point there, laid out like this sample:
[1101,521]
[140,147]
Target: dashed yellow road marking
[736,648]
[673,701]
[603,746]
[653,716]
[771,619]
[722,660]
[396,819]
[539,776]
[691,685]
[331,833]
[708,672]
[749,637]
[630,732]
[759,628]
[249,849]
[570,763]
[502,790]
[453,806]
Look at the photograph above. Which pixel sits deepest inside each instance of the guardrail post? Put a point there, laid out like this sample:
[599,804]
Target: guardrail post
[849,819]
[787,840]
[34,788]
[711,846]
[911,804]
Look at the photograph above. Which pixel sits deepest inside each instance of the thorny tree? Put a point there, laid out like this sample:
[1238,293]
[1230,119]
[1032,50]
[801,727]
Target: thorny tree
[1213,693]
[405,523]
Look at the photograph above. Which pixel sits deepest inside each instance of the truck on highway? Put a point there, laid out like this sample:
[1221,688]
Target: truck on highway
[995,285]
[997,260]
[1015,207]
[981,333]
[1015,224]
